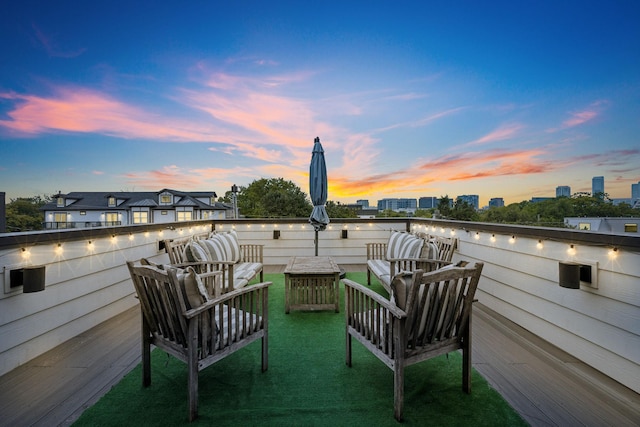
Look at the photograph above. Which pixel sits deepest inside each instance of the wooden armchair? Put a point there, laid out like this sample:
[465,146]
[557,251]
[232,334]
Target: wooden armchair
[428,314]
[436,252]
[185,320]
[239,263]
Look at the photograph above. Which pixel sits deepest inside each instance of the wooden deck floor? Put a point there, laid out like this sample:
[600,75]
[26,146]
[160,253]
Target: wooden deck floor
[545,385]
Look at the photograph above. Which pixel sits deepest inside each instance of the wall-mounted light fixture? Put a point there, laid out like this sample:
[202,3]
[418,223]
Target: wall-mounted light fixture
[276,234]
[345,234]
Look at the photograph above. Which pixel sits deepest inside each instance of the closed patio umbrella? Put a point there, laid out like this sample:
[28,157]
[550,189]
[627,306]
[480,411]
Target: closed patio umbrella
[318,189]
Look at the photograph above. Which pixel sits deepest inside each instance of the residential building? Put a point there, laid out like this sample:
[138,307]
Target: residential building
[597,185]
[472,199]
[496,202]
[430,202]
[563,191]
[99,209]
[398,205]
[605,225]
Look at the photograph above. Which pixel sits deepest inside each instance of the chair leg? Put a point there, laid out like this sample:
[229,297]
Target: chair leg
[398,390]
[466,358]
[146,355]
[265,352]
[192,365]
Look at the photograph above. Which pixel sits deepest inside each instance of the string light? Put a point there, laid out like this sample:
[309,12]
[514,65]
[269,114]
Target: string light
[90,245]
[59,249]
[26,254]
[477,236]
[571,250]
[613,253]
[512,240]
[131,236]
[493,237]
[539,245]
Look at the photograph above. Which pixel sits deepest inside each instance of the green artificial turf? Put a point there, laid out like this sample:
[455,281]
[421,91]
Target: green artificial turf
[307,384]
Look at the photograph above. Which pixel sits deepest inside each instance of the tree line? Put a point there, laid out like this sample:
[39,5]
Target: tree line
[279,198]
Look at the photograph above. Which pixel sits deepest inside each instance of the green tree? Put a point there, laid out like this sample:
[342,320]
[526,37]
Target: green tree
[444,206]
[337,210]
[24,214]
[423,213]
[463,211]
[273,198]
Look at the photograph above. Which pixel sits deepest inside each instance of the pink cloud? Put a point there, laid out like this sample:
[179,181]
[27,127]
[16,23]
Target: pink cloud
[52,47]
[500,134]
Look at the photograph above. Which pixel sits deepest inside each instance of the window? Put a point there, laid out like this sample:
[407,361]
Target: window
[111,218]
[165,199]
[212,201]
[631,228]
[163,212]
[140,217]
[112,201]
[584,226]
[60,217]
[83,212]
[184,215]
[60,202]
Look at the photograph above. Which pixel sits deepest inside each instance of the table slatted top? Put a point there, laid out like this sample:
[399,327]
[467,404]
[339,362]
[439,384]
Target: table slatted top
[311,265]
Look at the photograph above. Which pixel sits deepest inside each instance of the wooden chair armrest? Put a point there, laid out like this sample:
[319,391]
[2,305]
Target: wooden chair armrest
[376,251]
[252,253]
[222,299]
[384,302]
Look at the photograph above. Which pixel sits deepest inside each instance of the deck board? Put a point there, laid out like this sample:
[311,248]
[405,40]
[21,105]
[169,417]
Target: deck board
[547,386]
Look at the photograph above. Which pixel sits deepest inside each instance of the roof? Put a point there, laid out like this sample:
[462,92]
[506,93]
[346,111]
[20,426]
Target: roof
[99,200]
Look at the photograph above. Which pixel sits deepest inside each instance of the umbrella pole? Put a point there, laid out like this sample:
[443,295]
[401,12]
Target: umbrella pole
[316,242]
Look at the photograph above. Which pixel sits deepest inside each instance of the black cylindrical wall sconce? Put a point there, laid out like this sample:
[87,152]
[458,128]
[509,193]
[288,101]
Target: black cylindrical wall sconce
[276,234]
[30,278]
[345,234]
[569,275]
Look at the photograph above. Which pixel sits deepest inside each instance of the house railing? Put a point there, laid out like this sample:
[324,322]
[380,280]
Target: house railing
[57,225]
[86,281]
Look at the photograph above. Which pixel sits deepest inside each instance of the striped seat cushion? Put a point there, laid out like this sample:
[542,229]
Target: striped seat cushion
[222,247]
[404,245]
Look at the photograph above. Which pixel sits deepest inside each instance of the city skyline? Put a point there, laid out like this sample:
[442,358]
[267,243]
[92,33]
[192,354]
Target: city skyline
[501,100]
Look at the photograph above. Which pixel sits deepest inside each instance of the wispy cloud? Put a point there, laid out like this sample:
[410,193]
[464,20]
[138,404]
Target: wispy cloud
[51,45]
[580,117]
[167,177]
[500,134]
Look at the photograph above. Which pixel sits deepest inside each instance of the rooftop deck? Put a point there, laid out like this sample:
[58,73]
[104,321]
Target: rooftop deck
[545,385]
[559,356]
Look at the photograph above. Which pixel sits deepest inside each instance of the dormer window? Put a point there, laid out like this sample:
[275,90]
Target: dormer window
[166,199]
[60,202]
[212,201]
[112,202]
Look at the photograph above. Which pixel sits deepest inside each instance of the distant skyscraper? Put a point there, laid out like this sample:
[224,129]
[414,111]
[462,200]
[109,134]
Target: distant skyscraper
[427,202]
[397,205]
[635,192]
[472,199]
[496,202]
[563,191]
[597,185]
[362,202]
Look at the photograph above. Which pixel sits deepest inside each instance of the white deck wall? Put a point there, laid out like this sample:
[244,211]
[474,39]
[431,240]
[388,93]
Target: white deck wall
[85,286]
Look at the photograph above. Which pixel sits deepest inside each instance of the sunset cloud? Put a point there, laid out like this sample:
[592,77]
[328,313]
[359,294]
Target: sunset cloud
[500,134]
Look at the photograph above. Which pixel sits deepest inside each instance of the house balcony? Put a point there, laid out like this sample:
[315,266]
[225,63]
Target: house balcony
[592,330]
[54,225]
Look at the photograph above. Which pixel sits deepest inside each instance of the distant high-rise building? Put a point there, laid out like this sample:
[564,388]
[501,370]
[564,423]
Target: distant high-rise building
[597,185]
[635,192]
[496,202]
[472,199]
[427,202]
[363,203]
[398,205]
[563,191]
[540,199]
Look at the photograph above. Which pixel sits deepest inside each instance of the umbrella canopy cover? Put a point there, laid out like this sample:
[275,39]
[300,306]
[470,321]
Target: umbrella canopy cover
[318,187]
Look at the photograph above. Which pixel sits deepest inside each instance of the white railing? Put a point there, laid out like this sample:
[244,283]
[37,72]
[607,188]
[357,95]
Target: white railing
[87,282]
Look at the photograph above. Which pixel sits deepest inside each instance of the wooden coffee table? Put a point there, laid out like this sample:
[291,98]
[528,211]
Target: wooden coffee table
[312,283]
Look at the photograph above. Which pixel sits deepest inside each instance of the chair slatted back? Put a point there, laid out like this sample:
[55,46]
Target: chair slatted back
[439,303]
[161,301]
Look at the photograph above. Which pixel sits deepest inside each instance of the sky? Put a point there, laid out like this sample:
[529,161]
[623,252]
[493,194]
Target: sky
[409,98]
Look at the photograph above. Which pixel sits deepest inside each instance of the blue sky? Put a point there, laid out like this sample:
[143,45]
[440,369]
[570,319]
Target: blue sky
[409,99]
